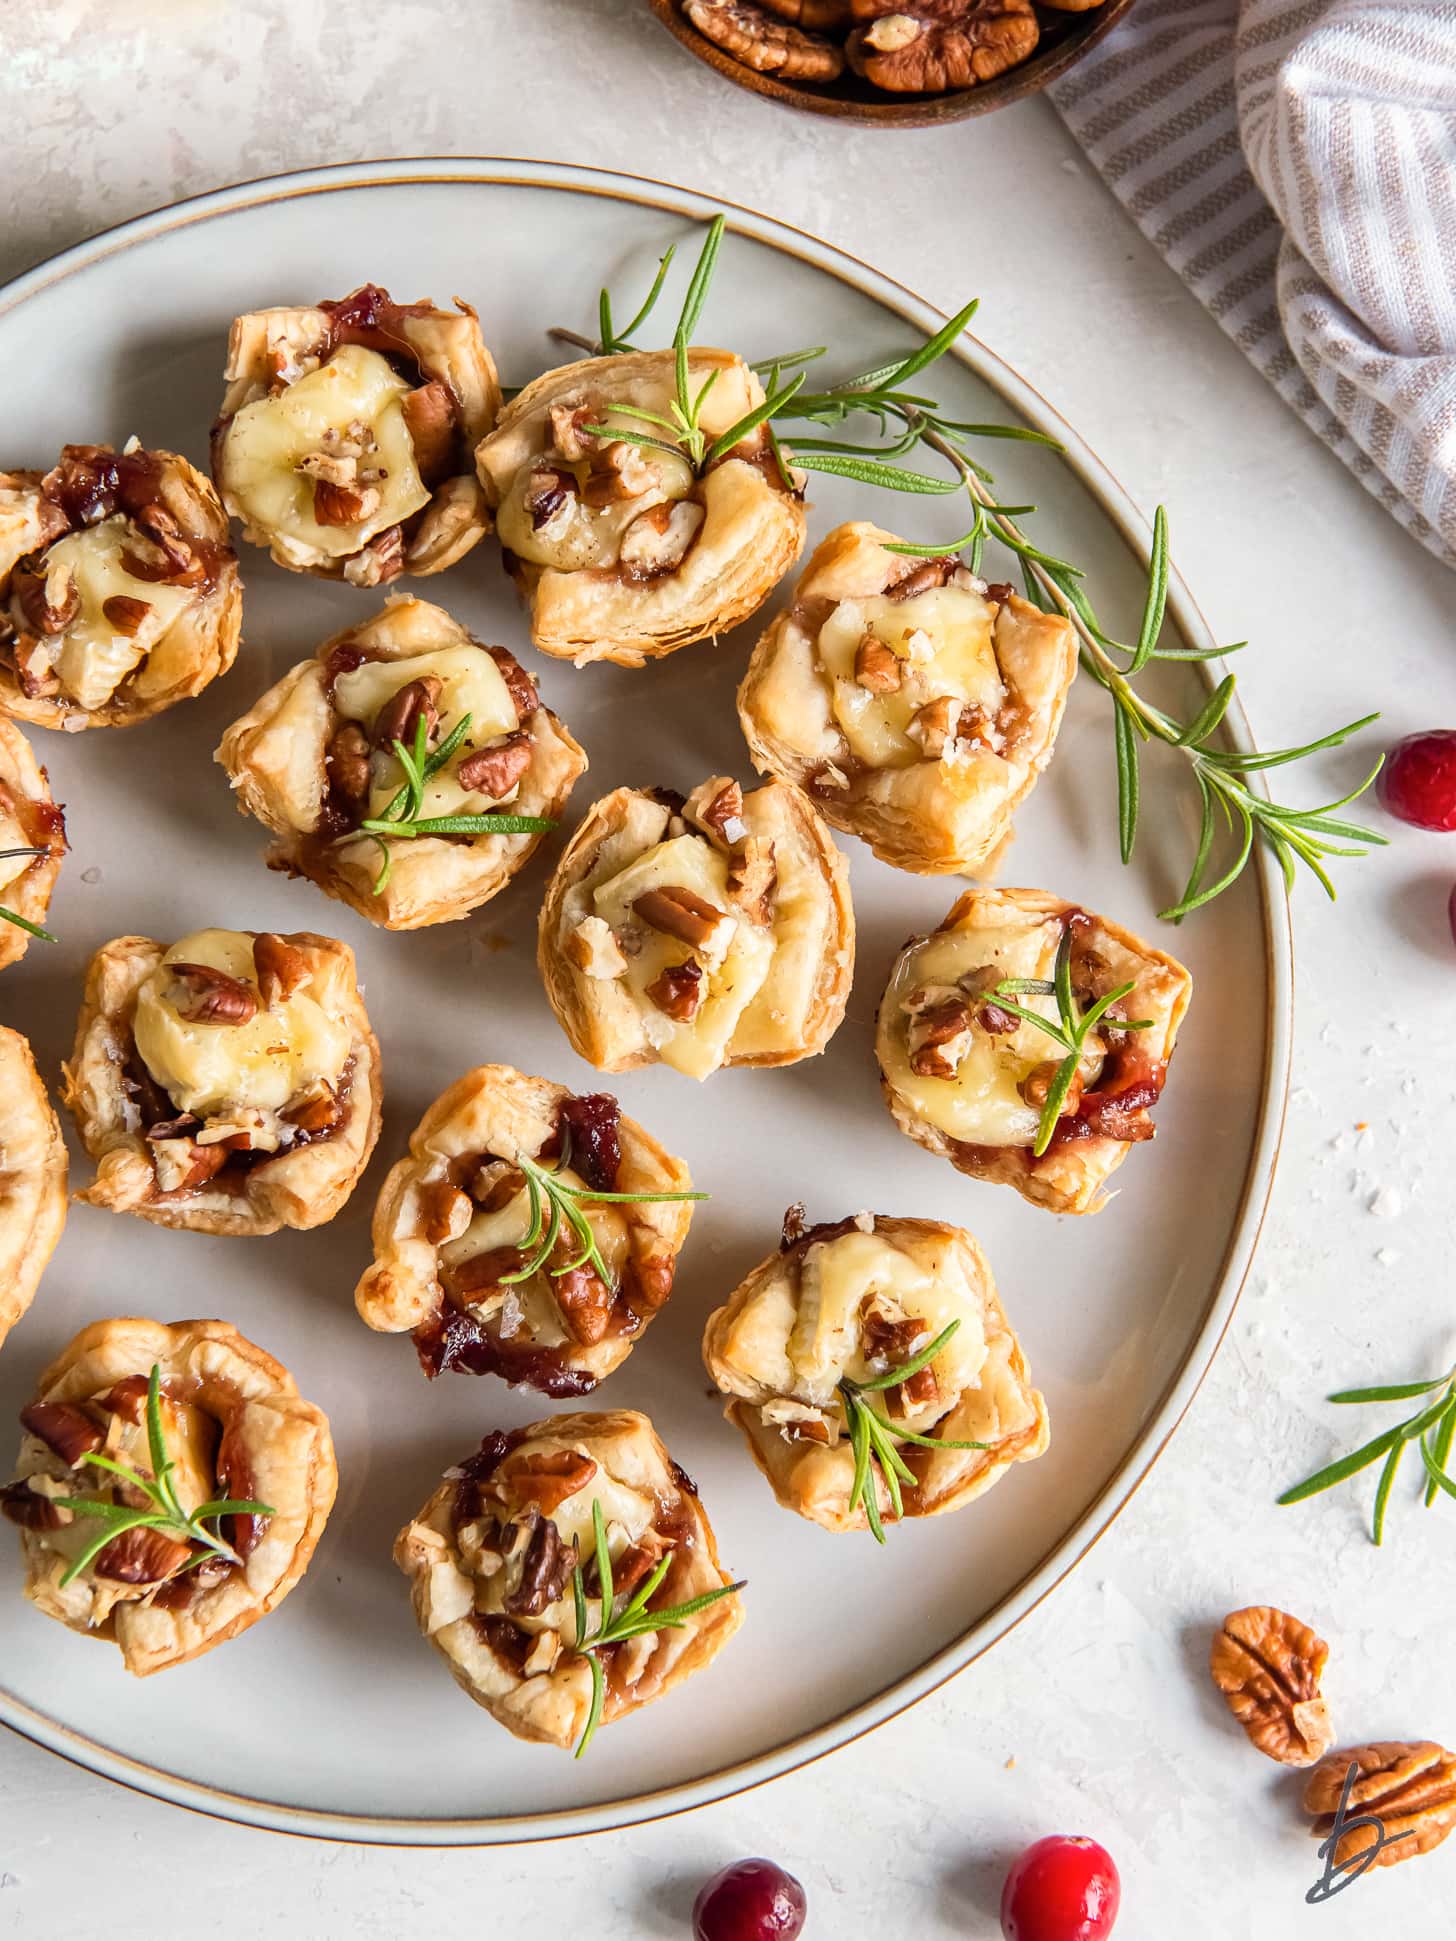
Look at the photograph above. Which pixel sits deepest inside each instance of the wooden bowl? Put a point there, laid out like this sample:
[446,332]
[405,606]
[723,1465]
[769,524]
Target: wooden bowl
[1065,37]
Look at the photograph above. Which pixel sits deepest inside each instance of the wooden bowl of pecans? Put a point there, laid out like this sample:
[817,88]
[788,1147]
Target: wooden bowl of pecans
[890,63]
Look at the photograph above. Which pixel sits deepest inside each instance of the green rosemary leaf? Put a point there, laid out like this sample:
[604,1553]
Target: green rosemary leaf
[604,1562]
[861,1489]
[1345,1467]
[951,546]
[1382,1494]
[643,1623]
[893,477]
[664,264]
[1157,597]
[89,1552]
[934,1442]
[1395,1392]
[24,923]
[644,439]
[788,360]
[578,1597]
[598,1701]
[700,283]
[931,350]
[894,1376]
[1176,912]
[98,1506]
[1056,1096]
[606,336]
[145,1484]
[461,825]
[1434,1471]
[1023,433]
[1127,782]
[1278,757]
[638,1600]
[445,752]
[1200,653]
[1445,1434]
[751,420]
[1208,717]
[1050,1026]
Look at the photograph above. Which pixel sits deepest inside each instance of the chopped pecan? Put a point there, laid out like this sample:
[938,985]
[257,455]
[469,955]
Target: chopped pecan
[347,762]
[201,995]
[399,717]
[378,562]
[317,1109]
[280,967]
[716,807]
[939,1037]
[141,1556]
[522,687]
[47,597]
[545,1650]
[657,540]
[764,43]
[1036,1086]
[429,415]
[177,1128]
[550,500]
[890,1338]
[753,878]
[568,430]
[594,950]
[637,1561]
[619,471]
[547,1478]
[936,726]
[924,578]
[1409,1785]
[545,1570]
[181,1165]
[24,1506]
[35,668]
[125,614]
[681,913]
[67,1431]
[1000,592]
[1268,1666]
[344,505]
[678,992]
[495,771]
[876,666]
[585,1301]
[495,1184]
[444,1211]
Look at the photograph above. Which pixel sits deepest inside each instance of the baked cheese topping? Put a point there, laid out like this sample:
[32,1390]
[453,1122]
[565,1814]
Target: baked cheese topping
[699,1045]
[943,641]
[261,1064]
[95,654]
[507,1226]
[268,440]
[471,683]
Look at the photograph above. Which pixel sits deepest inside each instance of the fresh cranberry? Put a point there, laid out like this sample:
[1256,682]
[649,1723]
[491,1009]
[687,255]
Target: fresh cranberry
[1065,1888]
[1418,781]
[753,1900]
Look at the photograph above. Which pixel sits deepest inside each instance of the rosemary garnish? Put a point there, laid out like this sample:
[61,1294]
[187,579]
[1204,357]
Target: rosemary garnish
[634,1620]
[14,916]
[1432,1429]
[401,817]
[1071,1027]
[909,421]
[167,1513]
[874,1440]
[554,1203]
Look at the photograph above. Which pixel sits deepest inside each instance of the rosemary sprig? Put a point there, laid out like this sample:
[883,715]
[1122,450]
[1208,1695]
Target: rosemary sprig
[400,819]
[14,916]
[904,420]
[874,1440]
[1071,1027]
[1432,1428]
[634,1620]
[167,1513]
[556,1204]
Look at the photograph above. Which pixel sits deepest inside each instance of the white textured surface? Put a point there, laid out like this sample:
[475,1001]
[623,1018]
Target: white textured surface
[1096,1715]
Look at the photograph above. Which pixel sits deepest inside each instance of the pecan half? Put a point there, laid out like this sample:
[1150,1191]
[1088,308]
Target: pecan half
[181,1165]
[585,1301]
[545,1570]
[761,42]
[1411,1785]
[678,992]
[547,1478]
[1268,1666]
[936,725]
[126,614]
[202,995]
[914,52]
[938,1038]
[68,1432]
[401,713]
[141,1556]
[429,417]
[522,687]
[20,1503]
[495,771]
[347,762]
[681,913]
[876,666]
[280,967]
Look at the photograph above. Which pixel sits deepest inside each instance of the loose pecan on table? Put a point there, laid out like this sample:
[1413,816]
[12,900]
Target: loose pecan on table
[1268,1666]
[1410,1785]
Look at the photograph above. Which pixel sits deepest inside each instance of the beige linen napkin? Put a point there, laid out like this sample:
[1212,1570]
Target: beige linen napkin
[1295,162]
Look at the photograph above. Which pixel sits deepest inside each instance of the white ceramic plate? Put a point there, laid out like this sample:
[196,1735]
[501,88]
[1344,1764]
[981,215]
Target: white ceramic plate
[333,1717]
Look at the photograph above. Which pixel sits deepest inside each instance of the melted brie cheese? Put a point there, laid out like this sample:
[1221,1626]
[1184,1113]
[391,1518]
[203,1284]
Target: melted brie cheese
[508,1226]
[686,862]
[825,1345]
[981,1104]
[628,1514]
[582,535]
[471,683]
[961,663]
[95,656]
[191,1438]
[263,1063]
[266,441]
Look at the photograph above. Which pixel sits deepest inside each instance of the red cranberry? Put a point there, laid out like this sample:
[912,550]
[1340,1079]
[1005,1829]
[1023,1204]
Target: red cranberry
[753,1900]
[1064,1888]
[1418,781]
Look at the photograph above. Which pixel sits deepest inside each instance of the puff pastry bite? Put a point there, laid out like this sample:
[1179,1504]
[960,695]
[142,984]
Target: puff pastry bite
[709,930]
[914,702]
[492,1247]
[491,1557]
[966,1078]
[119,591]
[810,1344]
[628,551]
[345,435]
[236,1431]
[228,1084]
[314,758]
[32,843]
[32,1179]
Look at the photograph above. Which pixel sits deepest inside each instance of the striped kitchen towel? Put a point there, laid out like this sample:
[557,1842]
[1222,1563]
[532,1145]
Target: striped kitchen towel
[1295,162]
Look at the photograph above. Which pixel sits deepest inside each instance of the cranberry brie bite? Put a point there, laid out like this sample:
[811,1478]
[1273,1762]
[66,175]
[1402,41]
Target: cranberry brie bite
[707,931]
[317,761]
[1027,1041]
[32,1179]
[530,1233]
[229,1084]
[629,536]
[914,702]
[872,1372]
[32,843]
[537,1567]
[171,1487]
[346,431]
[119,591]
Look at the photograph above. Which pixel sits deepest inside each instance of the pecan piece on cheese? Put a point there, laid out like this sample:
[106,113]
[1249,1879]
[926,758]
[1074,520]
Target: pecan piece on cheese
[1268,1666]
[203,995]
[681,913]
